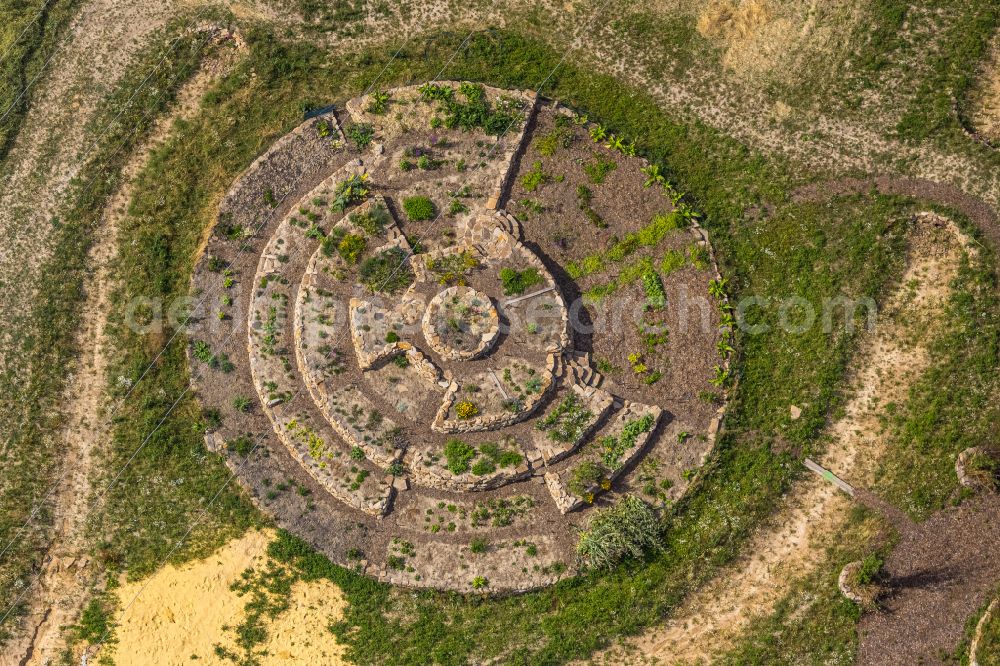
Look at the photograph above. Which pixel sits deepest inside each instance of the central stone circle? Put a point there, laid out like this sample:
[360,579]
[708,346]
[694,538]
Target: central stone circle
[460,324]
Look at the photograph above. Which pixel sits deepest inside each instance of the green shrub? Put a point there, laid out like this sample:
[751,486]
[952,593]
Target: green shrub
[567,421]
[585,475]
[515,282]
[372,221]
[242,403]
[387,272]
[95,622]
[419,208]
[656,298]
[483,466]
[458,455]
[379,103]
[351,247]
[361,134]
[476,111]
[628,529]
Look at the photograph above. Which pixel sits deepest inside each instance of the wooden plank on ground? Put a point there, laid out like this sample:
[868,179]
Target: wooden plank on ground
[527,296]
[830,476]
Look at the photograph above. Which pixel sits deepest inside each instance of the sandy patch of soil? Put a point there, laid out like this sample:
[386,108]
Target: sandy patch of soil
[775,38]
[179,614]
[788,545]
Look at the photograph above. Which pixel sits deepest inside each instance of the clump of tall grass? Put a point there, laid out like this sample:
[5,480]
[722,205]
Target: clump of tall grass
[629,528]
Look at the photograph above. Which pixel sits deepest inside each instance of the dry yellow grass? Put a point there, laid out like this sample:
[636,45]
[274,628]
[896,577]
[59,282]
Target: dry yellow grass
[775,38]
[732,21]
[180,613]
[986,97]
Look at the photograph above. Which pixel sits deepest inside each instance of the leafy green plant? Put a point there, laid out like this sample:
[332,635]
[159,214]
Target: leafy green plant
[419,208]
[242,403]
[654,177]
[373,221]
[615,447]
[584,476]
[378,103]
[656,298]
[458,455]
[350,191]
[351,247]
[476,111]
[515,282]
[535,178]
[362,134]
[567,421]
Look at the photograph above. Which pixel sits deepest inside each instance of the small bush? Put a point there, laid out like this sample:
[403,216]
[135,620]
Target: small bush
[387,271]
[458,455]
[516,282]
[362,134]
[350,191]
[585,475]
[241,403]
[379,103]
[419,208]
[483,466]
[656,298]
[372,221]
[466,409]
[351,247]
[627,529]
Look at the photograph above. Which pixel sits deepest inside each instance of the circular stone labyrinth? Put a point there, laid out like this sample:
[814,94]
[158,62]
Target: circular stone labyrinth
[398,372]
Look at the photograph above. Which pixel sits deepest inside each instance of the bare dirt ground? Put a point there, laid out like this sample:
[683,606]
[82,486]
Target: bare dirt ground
[789,545]
[181,613]
[67,574]
[940,573]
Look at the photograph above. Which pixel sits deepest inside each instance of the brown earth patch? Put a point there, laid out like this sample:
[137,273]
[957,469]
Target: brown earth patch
[939,574]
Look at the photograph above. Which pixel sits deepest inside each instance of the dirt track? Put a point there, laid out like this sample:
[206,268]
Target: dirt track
[940,573]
